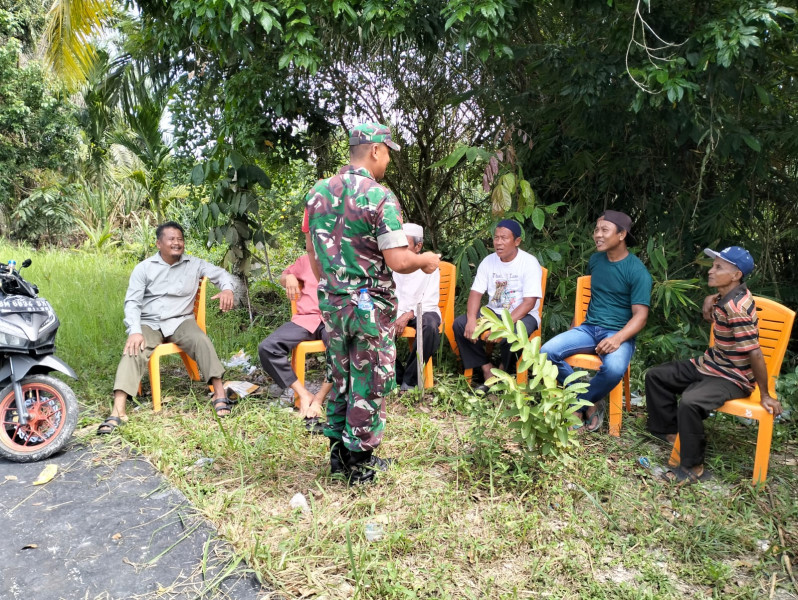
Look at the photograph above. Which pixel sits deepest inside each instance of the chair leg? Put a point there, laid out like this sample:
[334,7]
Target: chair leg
[428,374]
[616,410]
[676,454]
[627,391]
[154,367]
[762,457]
[191,366]
[298,362]
[468,374]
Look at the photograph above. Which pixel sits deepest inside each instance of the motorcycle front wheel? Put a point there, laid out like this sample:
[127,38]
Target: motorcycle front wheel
[52,416]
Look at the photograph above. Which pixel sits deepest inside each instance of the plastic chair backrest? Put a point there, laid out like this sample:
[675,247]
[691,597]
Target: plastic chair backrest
[582,299]
[199,303]
[543,281]
[447,295]
[775,325]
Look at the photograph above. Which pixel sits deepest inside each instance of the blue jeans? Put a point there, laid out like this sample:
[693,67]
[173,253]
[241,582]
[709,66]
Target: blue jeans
[583,340]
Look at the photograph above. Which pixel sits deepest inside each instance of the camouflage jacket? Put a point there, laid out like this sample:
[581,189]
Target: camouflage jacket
[352,219]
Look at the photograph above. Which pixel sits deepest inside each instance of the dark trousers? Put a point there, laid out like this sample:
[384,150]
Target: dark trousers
[473,353]
[701,394]
[407,374]
[275,350]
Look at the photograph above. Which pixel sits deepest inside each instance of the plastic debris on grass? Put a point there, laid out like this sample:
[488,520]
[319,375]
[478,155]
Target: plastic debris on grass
[299,501]
[240,360]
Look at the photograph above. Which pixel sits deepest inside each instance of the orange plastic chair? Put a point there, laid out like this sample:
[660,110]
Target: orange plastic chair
[775,325]
[593,362]
[154,365]
[446,306]
[299,355]
[520,376]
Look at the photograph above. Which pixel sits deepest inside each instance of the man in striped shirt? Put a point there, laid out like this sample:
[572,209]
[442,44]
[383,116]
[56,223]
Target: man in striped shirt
[726,371]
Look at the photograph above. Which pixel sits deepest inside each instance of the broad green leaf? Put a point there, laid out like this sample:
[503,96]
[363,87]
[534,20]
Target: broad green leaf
[197,175]
[507,181]
[452,159]
[752,142]
[507,320]
[562,435]
[501,200]
[575,376]
[525,194]
[538,218]
[520,329]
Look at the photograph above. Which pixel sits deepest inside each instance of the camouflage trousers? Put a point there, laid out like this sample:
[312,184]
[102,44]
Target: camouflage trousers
[360,363]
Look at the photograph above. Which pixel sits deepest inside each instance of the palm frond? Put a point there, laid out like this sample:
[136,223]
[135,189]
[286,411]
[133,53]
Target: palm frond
[67,39]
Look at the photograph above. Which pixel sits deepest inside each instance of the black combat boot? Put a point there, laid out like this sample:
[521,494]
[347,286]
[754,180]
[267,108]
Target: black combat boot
[339,457]
[364,466]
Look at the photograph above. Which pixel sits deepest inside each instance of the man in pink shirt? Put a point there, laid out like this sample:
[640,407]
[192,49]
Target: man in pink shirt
[300,284]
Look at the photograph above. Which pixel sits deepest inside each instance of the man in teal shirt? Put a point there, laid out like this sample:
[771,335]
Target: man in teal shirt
[620,296]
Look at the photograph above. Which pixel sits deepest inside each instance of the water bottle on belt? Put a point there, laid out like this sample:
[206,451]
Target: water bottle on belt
[364,301]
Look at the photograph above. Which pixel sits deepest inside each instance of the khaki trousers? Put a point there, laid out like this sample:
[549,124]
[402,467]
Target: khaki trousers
[191,339]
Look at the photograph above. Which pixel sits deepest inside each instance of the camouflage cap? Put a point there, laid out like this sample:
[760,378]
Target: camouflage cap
[372,133]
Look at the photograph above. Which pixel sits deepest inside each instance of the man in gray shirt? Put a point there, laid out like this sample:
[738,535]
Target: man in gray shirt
[159,307]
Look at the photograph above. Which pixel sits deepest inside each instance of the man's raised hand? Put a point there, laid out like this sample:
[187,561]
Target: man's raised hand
[226,300]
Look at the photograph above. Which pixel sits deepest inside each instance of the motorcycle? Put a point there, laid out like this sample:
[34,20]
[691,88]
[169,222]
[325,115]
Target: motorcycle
[38,412]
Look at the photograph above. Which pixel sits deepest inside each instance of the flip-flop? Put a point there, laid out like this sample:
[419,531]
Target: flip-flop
[110,425]
[581,415]
[223,407]
[596,420]
[684,476]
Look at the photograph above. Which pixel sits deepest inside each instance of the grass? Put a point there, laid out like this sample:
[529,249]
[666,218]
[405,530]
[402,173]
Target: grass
[601,528]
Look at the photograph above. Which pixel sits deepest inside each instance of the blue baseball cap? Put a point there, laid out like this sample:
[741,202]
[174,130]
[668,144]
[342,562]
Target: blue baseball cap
[739,257]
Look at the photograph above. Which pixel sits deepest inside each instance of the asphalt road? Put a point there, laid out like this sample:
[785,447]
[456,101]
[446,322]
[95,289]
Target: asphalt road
[109,526]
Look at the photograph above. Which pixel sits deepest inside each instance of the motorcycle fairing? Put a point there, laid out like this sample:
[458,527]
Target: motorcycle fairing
[23,365]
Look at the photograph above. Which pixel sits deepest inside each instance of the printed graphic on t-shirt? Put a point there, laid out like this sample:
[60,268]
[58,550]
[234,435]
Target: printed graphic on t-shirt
[504,297]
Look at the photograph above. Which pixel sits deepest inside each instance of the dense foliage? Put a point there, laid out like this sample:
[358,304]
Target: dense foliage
[38,129]
[680,113]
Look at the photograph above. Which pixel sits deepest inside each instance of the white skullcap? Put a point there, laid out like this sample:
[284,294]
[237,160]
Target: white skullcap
[413,230]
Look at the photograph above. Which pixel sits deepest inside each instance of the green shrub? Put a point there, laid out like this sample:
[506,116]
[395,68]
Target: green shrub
[537,415]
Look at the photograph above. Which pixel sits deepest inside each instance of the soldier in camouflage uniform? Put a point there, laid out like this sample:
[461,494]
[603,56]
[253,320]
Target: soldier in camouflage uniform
[356,231]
